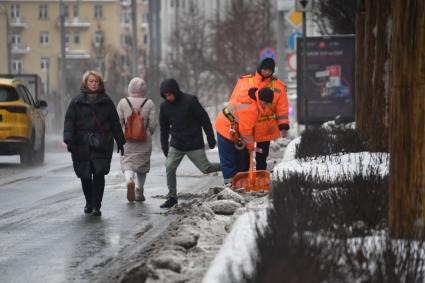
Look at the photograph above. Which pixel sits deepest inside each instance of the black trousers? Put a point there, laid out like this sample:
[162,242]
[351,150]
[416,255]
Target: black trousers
[261,158]
[93,189]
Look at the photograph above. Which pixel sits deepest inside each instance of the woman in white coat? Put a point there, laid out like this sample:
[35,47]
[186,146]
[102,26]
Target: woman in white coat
[137,154]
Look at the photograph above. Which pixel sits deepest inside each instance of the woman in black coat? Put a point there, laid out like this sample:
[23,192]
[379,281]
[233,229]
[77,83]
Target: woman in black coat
[91,125]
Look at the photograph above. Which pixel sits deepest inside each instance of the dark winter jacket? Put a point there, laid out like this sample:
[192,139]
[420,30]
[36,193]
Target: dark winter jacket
[79,122]
[183,119]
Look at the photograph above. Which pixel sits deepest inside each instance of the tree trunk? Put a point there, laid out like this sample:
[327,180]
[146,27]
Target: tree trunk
[407,120]
[371,110]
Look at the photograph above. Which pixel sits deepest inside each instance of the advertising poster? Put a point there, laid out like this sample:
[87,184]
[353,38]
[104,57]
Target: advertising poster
[329,79]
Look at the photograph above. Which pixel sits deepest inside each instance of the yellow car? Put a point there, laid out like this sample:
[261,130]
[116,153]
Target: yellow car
[22,123]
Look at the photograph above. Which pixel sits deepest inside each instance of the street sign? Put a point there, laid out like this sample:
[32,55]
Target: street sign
[268,52]
[294,18]
[292,39]
[303,5]
[285,5]
[291,61]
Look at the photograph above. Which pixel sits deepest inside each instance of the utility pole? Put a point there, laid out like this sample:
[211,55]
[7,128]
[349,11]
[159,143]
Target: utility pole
[8,44]
[305,70]
[8,40]
[63,91]
[134,39]
[304,6]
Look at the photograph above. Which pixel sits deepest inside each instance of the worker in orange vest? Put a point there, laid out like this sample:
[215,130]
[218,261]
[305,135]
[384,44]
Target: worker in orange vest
[235,130]
[274,123]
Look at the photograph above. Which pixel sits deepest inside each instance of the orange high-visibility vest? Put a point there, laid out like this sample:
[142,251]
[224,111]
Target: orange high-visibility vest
[267,126]
[245,112]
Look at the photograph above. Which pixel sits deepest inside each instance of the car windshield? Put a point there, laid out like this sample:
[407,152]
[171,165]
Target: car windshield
[8,94]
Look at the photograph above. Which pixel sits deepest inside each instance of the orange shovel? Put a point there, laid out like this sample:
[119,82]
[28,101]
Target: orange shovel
[252,180]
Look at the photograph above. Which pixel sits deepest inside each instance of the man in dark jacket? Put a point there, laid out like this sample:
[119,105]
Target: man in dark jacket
[183,117]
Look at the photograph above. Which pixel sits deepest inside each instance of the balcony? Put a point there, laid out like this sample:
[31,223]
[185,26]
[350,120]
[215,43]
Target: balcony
[20,50]
[76,23]
[76,54]
[19,23]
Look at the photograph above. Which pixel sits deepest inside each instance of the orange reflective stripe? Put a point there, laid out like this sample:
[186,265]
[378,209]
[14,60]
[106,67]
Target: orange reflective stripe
[239,107]
[247,138]
[282,117]
[267,117]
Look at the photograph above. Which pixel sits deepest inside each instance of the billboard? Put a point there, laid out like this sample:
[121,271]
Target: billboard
[329,79]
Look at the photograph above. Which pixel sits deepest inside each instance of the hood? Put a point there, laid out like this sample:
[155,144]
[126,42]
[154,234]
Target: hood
[170,85]
[269,62]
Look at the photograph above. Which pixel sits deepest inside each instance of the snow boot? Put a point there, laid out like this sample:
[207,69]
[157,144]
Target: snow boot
[96,212]
[88,209]
[170,202]
[131,194]
[139,194]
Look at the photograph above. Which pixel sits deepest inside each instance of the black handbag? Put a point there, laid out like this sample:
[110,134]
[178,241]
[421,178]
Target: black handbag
[98,141]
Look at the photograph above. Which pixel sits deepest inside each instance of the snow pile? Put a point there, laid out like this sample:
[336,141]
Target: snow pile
[333,166]
[185,250]
[238,249]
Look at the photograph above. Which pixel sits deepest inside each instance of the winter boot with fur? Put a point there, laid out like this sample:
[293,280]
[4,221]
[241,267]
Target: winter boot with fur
[139,194]
[131,195]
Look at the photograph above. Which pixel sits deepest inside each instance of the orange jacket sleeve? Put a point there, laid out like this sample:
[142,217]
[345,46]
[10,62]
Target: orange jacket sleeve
[281,107]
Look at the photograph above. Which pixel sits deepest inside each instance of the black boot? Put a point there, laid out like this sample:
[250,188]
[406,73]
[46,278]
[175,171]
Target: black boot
[88,209]
[170,202]
[96,212]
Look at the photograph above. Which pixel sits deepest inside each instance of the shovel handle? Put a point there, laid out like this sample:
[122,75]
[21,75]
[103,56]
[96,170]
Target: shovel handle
[251,166]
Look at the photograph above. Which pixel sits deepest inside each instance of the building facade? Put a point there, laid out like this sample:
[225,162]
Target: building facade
[94,30]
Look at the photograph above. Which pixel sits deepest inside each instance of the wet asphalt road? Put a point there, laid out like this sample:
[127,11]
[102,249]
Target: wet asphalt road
[44,234]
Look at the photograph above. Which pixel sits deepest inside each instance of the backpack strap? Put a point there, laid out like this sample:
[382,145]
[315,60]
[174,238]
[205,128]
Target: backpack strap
[129,103]
[141,106]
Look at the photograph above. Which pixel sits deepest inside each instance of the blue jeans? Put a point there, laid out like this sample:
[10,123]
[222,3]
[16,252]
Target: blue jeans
[232,160]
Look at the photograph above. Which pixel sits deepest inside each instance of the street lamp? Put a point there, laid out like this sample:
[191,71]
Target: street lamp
[8,38]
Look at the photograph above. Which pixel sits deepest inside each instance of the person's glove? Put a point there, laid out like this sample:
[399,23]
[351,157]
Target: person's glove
[121,149]
[211,142]
[283,133]
[165,151]
[251,92]
[258,150]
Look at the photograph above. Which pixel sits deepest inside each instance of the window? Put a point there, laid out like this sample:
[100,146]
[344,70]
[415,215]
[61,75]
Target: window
[98,11]
[16,40]
[65,11]
[145,39]
[77,37]
[172,3]
[67,39]
[123,40]
[75,11]
[184,4]
[15,11]
[43,12]
[44,64]
[145,18]
[98,41]
[16,66]
[44,38]
[125,18]
[125,2]
[28,94]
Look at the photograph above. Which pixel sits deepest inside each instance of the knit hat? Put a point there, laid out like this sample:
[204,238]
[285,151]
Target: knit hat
[137,87]
[266,95]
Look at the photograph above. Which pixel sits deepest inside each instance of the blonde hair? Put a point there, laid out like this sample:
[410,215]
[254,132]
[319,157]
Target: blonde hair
[92,73]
